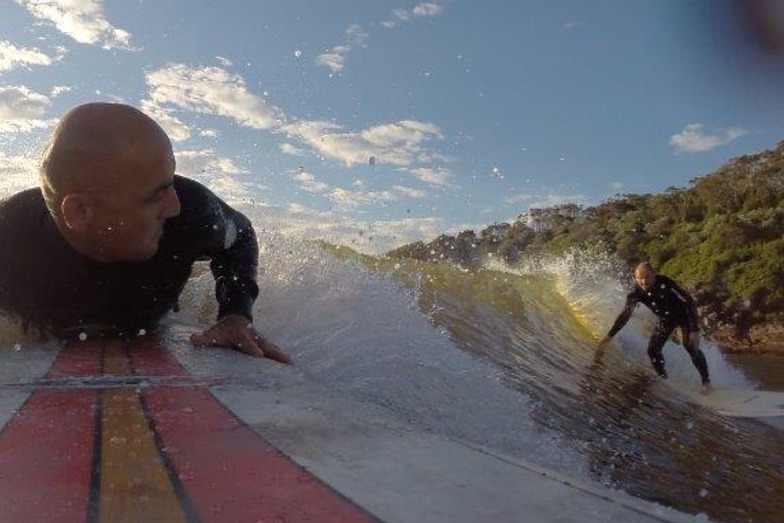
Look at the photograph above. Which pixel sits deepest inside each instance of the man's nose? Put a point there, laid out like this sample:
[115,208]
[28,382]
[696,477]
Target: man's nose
[171,206]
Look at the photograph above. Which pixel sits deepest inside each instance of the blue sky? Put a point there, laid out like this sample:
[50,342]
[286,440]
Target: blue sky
[375,123]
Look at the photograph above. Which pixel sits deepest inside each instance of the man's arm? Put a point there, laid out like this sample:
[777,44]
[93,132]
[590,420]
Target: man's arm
[621,320]
[234,262]
[233,251]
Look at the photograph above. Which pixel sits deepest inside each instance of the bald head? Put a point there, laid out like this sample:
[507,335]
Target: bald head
[92,147]
[108,181]
[644,276]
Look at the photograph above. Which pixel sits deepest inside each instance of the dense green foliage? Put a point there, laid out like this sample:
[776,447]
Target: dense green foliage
[723,236]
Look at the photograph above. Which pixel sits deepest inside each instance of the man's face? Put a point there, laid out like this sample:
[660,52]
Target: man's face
[644,278]
[133,203]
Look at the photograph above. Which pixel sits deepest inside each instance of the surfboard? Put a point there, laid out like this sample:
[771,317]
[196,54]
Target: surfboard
[740,403]
[153,429]
[727,401]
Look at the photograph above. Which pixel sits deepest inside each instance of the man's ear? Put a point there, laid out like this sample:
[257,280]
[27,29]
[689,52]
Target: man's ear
[77,211]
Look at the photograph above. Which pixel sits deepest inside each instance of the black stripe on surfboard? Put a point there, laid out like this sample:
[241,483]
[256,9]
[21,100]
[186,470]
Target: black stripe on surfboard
[186,503]
[94,499]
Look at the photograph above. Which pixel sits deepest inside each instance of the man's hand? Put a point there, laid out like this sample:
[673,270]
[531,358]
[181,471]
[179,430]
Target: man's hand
[236,332]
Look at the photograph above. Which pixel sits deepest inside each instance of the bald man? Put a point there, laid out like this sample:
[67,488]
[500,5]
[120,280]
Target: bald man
[674,308]
[107,243]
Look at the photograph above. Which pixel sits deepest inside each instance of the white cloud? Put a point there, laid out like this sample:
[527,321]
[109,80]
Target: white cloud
[12,56]
[210,90]
[293,150]
[427,9]
[218,173]
[225,62]
[408,191]
[17,173]
[174,127]
[298,221]
[692,139]
[543,201]
[57,90]
[205,161]
[335,58]
[82,20]
[21,110]
[346,198]
[230,188]
[424,9]
[574,24]
[214,91]
[438,177]
[308,182]
[396,143]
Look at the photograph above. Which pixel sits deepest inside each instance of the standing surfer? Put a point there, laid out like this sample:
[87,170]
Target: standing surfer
[674,308]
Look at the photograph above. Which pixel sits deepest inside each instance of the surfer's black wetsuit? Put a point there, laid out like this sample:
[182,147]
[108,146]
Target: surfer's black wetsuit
[674,308]
[47,284]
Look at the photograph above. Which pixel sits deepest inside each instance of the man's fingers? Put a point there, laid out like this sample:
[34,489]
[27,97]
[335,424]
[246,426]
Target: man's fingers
[248,345]
[241,338]
[273,352]
[201,339]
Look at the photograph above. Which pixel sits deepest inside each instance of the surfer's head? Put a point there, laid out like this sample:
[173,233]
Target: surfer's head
[107,178]
[644,276]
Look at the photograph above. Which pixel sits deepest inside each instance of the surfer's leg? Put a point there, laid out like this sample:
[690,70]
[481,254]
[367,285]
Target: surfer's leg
[655,346]
[692,345]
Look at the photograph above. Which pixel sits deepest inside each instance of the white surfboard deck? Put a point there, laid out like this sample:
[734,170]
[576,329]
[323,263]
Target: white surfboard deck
[739,403]
[727,401]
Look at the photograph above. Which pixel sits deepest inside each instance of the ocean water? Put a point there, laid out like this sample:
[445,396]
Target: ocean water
[504,357]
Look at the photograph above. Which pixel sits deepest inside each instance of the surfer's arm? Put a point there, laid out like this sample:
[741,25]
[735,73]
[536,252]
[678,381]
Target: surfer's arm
[234,265]
[234,254]
[623,317]
[213,230]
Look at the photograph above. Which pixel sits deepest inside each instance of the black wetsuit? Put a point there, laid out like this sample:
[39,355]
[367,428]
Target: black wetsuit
[47,284]
[675,309]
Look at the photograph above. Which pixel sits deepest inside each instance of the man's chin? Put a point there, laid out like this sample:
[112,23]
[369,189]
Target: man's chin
[142,256]
[150,254]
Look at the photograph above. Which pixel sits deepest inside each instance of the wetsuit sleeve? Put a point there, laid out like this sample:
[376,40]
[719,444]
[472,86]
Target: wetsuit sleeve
[626,313]
[234,263]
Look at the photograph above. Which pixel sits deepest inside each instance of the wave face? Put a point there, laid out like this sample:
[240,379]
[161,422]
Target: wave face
[539,323]
[505,358]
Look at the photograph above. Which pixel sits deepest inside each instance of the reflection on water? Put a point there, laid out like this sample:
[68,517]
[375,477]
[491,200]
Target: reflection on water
[636,432]
[767,369]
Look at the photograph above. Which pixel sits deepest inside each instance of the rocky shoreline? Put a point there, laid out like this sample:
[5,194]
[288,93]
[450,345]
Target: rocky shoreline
[763,338]
[736,328]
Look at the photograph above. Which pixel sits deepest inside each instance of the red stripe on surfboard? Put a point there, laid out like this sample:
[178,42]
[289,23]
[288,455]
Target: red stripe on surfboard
[230,473]
[46,456]
[78,359]
[150,358]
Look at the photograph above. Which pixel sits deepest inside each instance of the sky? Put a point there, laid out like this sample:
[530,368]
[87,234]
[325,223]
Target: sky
[377,123]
